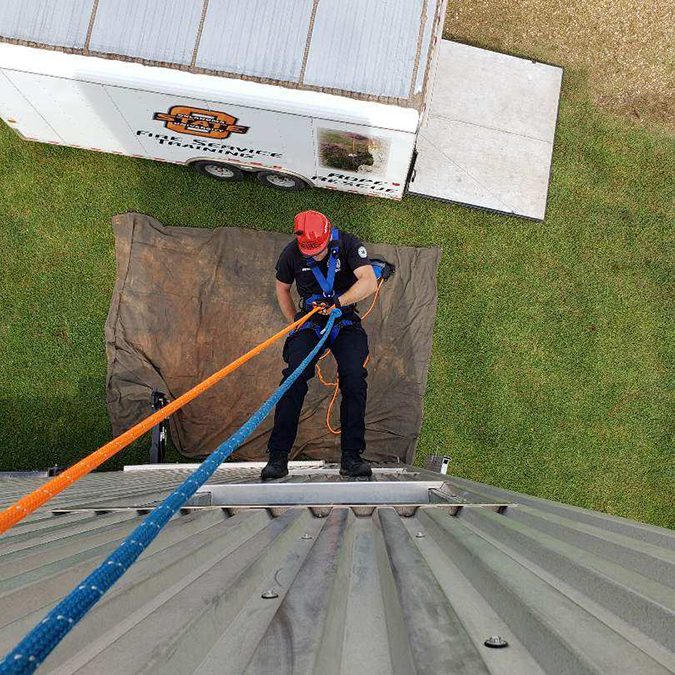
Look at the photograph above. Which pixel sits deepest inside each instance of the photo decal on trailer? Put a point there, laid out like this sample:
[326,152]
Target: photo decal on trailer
[352,151]
[355,160]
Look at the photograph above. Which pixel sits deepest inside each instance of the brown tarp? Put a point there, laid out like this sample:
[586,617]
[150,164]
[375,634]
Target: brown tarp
[187,301]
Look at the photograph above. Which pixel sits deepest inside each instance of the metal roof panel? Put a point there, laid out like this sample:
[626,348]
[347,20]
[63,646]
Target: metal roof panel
[163,32]
[383,589]
[256,38]
[64,23]
[365,46]
[374,50]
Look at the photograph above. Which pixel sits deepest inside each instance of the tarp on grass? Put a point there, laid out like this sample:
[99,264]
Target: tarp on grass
[188,301]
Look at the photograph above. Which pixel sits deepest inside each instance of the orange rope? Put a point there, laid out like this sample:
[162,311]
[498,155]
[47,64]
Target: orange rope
[26,505]
[372,304]
[337,384]
[328,412]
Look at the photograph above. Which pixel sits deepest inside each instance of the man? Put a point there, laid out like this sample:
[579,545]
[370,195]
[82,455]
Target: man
[328,267]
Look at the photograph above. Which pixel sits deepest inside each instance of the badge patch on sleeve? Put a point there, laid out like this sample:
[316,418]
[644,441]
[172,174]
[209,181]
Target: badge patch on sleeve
[362,252]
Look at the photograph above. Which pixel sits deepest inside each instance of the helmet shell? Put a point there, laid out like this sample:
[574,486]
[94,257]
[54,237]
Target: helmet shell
[313,231]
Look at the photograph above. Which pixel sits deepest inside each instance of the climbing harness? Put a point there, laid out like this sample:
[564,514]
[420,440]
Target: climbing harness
[26,505]
[326,283]
[383,270]
[44,637]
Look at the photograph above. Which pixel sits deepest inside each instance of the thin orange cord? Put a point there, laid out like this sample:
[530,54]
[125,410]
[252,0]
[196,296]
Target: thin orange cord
[372,304]
[337,384]
[26,505]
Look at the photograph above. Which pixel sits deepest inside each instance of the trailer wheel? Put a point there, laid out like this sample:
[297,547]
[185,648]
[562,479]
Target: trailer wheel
[218,170]
[281,181]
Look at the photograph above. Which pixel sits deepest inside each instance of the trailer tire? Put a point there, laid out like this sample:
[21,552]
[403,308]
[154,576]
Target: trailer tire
[218,170]
[281,181]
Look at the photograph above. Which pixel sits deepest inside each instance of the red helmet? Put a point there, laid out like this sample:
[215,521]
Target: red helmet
[313,231]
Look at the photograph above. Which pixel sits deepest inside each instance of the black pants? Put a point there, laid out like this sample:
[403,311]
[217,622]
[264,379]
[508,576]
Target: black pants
[350,349]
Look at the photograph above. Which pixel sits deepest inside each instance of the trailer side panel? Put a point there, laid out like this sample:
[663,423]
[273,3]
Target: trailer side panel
[81,113]
[21,116]
[183,129]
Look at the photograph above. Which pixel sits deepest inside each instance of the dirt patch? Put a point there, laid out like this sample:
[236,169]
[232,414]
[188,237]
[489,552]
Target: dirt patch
[624,46]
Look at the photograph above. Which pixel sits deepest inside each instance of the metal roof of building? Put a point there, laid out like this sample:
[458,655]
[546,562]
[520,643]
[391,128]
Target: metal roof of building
[375,50]
[413,578]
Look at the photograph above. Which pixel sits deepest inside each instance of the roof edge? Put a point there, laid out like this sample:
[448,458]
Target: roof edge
[411,102]
[234,91]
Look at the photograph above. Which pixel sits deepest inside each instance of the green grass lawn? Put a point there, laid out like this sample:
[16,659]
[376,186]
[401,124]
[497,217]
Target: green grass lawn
[552,369]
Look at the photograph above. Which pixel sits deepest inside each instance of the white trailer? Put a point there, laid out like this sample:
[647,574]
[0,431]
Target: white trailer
[354,95]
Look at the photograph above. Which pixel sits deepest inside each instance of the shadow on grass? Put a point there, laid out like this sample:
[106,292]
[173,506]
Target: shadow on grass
[41,432]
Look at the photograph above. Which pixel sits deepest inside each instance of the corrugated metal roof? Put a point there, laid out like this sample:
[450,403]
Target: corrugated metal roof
[265,38]
[369,47]
[389,589]
[365,49]
[158,31]
[64,23]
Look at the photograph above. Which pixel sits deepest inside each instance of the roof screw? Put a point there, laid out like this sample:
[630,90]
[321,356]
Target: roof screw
[306,536]
[419,535]
[269,595]
[496,642]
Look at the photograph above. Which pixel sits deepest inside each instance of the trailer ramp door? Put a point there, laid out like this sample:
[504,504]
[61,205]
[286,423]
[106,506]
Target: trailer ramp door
[488,137]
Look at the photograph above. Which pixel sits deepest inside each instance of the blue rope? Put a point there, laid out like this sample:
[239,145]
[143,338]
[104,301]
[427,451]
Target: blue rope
[39,643]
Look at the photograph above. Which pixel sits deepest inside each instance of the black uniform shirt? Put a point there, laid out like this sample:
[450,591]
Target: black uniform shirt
[292,266]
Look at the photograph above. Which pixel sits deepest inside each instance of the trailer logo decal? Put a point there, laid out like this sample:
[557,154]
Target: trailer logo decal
[197,122]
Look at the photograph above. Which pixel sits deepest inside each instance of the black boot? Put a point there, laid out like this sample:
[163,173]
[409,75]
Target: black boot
[277,466]
[352,465]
